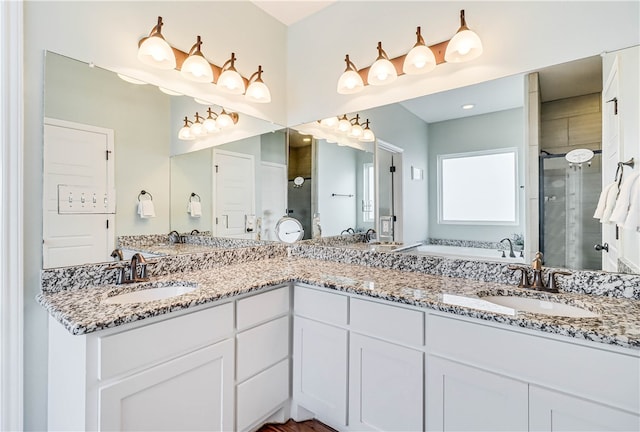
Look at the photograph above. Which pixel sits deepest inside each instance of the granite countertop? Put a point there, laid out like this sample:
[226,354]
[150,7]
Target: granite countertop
[172,248]
[81,311]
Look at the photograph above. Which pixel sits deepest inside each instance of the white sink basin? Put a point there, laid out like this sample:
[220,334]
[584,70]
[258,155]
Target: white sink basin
[150,294]
[544,307]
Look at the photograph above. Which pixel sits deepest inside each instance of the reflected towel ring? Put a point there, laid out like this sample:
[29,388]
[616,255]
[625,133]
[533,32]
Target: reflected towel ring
[144,192]
[193,195]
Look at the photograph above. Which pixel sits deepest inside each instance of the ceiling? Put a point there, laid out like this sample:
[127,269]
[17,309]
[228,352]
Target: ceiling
[291,11]
[562,81]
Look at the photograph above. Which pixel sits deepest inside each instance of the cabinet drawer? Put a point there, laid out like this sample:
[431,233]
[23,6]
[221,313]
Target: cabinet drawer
[388,322]
[321,306]
[262,347]
[262,394]
[162,340]
[262,307]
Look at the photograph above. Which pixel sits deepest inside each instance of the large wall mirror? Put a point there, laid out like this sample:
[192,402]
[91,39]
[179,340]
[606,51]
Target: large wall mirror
[107,140]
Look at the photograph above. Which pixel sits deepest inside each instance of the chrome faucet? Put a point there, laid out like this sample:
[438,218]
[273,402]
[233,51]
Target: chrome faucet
[174,237]
[370,235]
[511,254]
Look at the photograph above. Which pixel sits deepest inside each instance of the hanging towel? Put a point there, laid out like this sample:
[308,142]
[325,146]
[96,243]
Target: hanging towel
[608,194]
[146,209]
[195,209]
[621,209]
[632,221]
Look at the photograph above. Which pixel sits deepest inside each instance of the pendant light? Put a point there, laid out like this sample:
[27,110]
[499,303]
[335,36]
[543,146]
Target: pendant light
[257,91]
[420,59]
[185,132]
[464,46]
[350,81]
[382,72]
[196,67]
[155,51]
[230,80]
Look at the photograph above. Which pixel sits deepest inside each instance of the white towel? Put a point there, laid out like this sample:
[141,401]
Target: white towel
[621,209]
[195,209]
[146,209]
[633,216]
[602,201]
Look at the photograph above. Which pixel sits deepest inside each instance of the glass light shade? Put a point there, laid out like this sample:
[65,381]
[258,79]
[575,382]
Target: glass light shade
[155,51]
[197,68]
[356,131]
[231,82]
[344,125]
[224,120]
[382,72]
[367,136]
[185,134]
[464,46]
[210,126]
[197,129]
[258,92]
[131,80]
[329,122]
[419,60]
[350,82]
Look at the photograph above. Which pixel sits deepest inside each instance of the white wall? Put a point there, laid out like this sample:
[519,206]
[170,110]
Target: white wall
[336,173]
[503,129]
[191,173]
[517,37]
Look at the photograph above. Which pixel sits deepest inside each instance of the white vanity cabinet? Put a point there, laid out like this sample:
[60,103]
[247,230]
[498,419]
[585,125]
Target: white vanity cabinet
[484,376]
[320,353]
[171,374]
[386,377]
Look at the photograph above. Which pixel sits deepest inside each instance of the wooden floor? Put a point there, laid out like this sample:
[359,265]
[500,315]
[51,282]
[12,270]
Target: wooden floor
[291,426]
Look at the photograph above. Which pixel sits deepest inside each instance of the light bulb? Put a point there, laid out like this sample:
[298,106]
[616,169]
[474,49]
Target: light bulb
[419,60]
[196,67]
[210,125]
[197,129]
[329,122]
[224,120]
[382,71]
[356,131]
[185,134]
[464,46]
[344,125]
[350,81]
[367,136]
[258,92]
[231,81]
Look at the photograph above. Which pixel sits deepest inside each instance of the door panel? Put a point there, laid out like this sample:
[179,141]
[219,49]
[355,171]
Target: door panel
[235,193]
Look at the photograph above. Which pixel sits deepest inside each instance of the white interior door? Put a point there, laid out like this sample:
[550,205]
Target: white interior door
[274,197]
[234,193]
[610,158]
[78,219]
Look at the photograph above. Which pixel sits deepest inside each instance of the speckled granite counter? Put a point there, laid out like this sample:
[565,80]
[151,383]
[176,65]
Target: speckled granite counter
[81,310]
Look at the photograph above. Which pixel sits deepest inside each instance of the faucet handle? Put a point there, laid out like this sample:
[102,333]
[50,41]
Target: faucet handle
[552,285]
[524,276]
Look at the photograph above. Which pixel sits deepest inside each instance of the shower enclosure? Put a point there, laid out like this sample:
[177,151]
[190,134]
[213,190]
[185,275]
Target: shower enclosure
[568,197]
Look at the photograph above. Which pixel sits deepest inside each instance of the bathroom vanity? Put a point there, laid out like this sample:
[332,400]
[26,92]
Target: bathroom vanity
[362,347]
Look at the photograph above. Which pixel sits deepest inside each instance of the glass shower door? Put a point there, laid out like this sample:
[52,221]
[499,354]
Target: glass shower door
[568,197]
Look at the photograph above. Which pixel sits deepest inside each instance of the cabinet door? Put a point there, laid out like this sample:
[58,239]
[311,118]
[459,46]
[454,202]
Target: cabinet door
[320,369]
[385,386]
[463,398]
[192,392]
[553,411]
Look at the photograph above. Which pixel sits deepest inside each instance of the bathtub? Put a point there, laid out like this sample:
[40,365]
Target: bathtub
[463,252]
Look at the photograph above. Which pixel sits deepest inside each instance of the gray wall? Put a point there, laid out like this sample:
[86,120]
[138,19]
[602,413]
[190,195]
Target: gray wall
[501,129]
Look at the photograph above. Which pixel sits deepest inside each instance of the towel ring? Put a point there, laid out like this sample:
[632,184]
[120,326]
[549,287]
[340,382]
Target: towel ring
[193,195]
[144,192]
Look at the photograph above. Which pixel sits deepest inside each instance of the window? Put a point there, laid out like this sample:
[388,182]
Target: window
[367,195]
[478,188]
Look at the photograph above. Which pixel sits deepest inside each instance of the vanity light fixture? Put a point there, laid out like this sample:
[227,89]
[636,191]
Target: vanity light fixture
[420,59]
[350,81]
[257,91]
[382,71]
[185,133]
[230,80]
[201,126]
[351,128]
[196,67]
[464,46]
[155,51]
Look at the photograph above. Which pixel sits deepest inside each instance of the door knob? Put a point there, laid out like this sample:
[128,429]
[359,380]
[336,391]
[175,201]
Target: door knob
[600,247]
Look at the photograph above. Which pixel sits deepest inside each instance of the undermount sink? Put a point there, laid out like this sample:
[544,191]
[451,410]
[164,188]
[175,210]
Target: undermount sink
[151,294]
[539,306]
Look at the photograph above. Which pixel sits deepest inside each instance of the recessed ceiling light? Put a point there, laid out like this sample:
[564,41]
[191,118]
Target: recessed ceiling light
[468,106]
[306,139]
